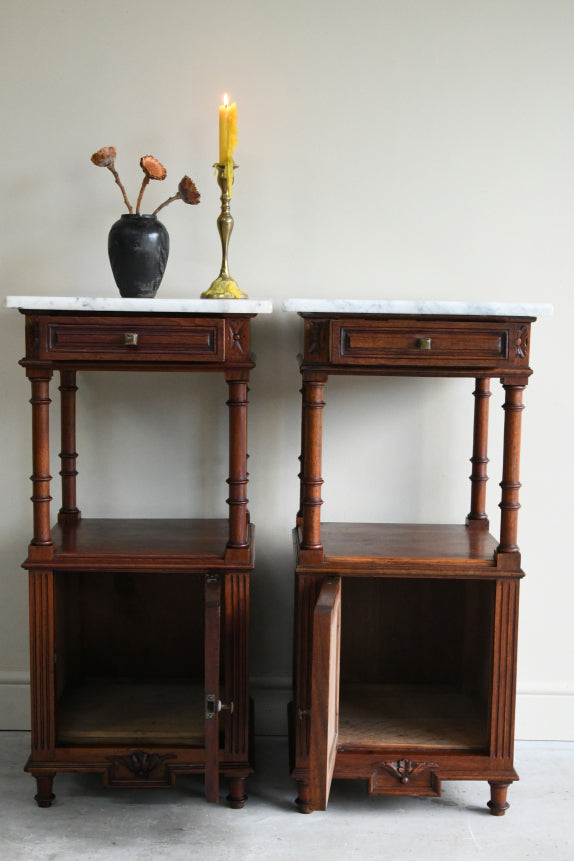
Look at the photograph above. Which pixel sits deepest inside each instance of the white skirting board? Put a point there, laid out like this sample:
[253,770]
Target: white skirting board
[14,699]
[542,713]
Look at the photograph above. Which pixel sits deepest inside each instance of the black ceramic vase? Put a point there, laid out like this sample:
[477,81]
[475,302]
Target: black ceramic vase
[138,247]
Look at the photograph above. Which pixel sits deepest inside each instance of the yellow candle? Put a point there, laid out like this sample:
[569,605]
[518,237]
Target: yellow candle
[227,131]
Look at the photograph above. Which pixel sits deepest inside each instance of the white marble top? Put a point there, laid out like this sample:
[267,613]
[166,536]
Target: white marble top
[155,306]
[425,306]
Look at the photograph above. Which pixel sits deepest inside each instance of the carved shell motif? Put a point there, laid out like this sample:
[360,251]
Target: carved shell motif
[405,769]
[140,763]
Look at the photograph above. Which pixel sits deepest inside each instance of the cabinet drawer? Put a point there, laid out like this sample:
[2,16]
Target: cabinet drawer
[405,777]
[402,341]
[130,339]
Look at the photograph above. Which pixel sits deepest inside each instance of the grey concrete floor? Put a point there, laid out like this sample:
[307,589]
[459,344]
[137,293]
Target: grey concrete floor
[89,822]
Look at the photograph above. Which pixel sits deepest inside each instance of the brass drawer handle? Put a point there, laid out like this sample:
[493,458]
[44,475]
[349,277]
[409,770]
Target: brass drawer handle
[424,343]
[131,339]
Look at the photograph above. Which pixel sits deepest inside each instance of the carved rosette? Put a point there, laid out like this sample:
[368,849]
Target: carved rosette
[32,337]
[237,339]
[521,342]
[316,341]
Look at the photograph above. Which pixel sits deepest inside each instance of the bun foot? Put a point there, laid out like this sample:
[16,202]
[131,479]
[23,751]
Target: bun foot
[498,804]
[237,796]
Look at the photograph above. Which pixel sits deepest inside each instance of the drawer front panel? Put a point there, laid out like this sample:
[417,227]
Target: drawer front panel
[138,340]
[405,777]
[459,344]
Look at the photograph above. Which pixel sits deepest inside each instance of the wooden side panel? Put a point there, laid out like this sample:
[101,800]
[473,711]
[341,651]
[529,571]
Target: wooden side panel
[42,676]
[212,650]
[325,691]
[504,670]
[236,650]
[306,594]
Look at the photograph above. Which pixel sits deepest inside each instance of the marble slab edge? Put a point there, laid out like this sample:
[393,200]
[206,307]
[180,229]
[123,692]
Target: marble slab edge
[155,306]
[430,307]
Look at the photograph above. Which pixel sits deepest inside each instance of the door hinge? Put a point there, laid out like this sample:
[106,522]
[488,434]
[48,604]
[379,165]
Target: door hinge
[301,713]
[213,706]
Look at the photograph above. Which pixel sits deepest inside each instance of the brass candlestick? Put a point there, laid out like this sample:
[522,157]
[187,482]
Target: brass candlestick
[224,286]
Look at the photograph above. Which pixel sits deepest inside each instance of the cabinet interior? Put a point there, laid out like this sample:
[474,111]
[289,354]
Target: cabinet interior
[415,662]
[129,658]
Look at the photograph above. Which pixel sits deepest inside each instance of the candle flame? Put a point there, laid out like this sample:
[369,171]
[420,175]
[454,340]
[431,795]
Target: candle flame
[226,100]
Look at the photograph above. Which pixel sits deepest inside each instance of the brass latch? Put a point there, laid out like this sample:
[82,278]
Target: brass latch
[213,706]
[130,339]
[424,343]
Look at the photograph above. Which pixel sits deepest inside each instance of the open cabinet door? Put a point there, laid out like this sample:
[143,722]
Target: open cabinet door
[324,717]
[212,705]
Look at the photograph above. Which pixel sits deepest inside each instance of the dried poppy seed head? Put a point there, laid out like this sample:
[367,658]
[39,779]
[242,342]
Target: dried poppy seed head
[188,191]
[105,156]
[152,168]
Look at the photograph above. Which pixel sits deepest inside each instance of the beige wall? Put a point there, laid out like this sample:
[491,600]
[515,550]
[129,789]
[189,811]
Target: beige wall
[406,149]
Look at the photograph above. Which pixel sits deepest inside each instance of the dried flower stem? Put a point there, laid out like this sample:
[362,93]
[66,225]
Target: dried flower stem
[122,189]
[165,203]
[142,189]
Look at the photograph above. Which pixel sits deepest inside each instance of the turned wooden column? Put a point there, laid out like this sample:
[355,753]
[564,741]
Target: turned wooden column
[238,475]
[510,484]
[311,481]
[41,544]
[477,515]
[68,453]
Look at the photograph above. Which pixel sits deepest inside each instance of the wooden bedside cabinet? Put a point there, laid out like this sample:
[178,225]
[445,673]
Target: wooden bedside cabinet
[405,634]
[139,649]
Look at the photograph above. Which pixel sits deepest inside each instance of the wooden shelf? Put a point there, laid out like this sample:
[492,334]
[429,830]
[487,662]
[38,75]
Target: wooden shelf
[400,546]
[431,716]
[408,541]
[110,711]
[114,544]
